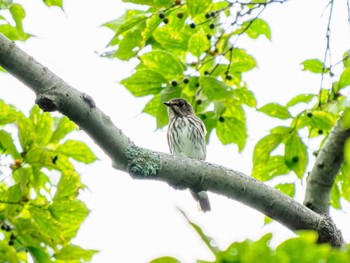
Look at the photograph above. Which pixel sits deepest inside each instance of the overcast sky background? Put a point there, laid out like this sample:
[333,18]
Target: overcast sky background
[136,221]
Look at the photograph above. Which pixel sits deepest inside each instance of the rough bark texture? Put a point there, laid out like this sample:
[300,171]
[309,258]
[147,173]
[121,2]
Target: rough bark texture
[321,178]
[180,172]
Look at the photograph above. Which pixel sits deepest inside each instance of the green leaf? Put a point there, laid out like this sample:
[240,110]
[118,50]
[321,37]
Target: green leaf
[245,96]
[140,2]
[275,166]
[39,157]
[166,259]
[198,43]
[250,251]
[301,98]
[13,33]
[163,62]
[18,14]
[286,188]
[346,59]
[344,78]
[265,146]
[152,106]
[196,7]
[132,22]
[69,185]
[26,132]
[8,253]
[64,127]
[163,3]
[321,120]
[74,253]
[123,21]
[214,89]
[42,124]
[346,118]
[313,65]
[295,154]
[232,130]
[281,130]
[275,110]
[240,60]
[53,3]
[6,143]
[210,121]
[335,197]
[70,214]
[256,27]
[39,255]
[173,41]
[267,220]
[8,113]
[49,227]
[130,44]
[77,150]
[145,82]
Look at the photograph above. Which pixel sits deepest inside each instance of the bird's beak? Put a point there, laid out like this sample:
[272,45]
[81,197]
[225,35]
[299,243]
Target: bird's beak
[166,104]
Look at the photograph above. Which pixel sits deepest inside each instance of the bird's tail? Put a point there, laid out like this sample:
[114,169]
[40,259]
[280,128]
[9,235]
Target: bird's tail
[202,199]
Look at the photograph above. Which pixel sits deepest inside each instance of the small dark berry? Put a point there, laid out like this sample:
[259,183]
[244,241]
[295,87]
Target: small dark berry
[6,228]
[186,80]
[204,116]
[166,20]
[161,15]
[213,14]
[320,132]
[199,102]
[206,72]
[228,76]
[12,236]
[180,15]
[211,26]
[309,114]
[11,243]
[207,15]
[295,159]
[192,25]
[221,119]
[174,83]
[177,2]
[197,84]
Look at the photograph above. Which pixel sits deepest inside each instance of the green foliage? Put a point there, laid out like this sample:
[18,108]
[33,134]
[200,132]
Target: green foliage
[54,3]
[11,19]
[303,248]
[39,209]
[314,65]
[190,41]
[275,110]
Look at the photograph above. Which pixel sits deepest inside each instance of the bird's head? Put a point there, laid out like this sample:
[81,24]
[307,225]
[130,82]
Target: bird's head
[178,108]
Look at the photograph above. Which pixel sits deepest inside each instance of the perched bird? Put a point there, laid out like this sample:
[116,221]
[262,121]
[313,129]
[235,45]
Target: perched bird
[186,135]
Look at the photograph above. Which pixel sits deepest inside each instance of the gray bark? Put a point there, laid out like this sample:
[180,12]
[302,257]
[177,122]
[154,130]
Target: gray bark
[53,94]
[328,162]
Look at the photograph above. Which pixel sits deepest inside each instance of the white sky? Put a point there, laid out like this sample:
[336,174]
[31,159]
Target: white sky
[136,221]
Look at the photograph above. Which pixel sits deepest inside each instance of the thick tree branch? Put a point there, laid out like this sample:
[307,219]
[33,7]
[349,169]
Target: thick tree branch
[321,178]
[180,172]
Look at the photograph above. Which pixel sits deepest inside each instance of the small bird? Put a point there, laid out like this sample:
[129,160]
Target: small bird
[186,135]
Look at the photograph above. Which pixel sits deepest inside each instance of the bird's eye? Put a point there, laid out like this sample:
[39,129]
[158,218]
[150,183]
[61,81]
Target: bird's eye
[180,104]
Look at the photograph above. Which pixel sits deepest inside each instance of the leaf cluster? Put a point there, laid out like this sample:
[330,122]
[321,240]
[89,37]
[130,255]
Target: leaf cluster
[40,211]
[303,248]
[188,49]
[316,118]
